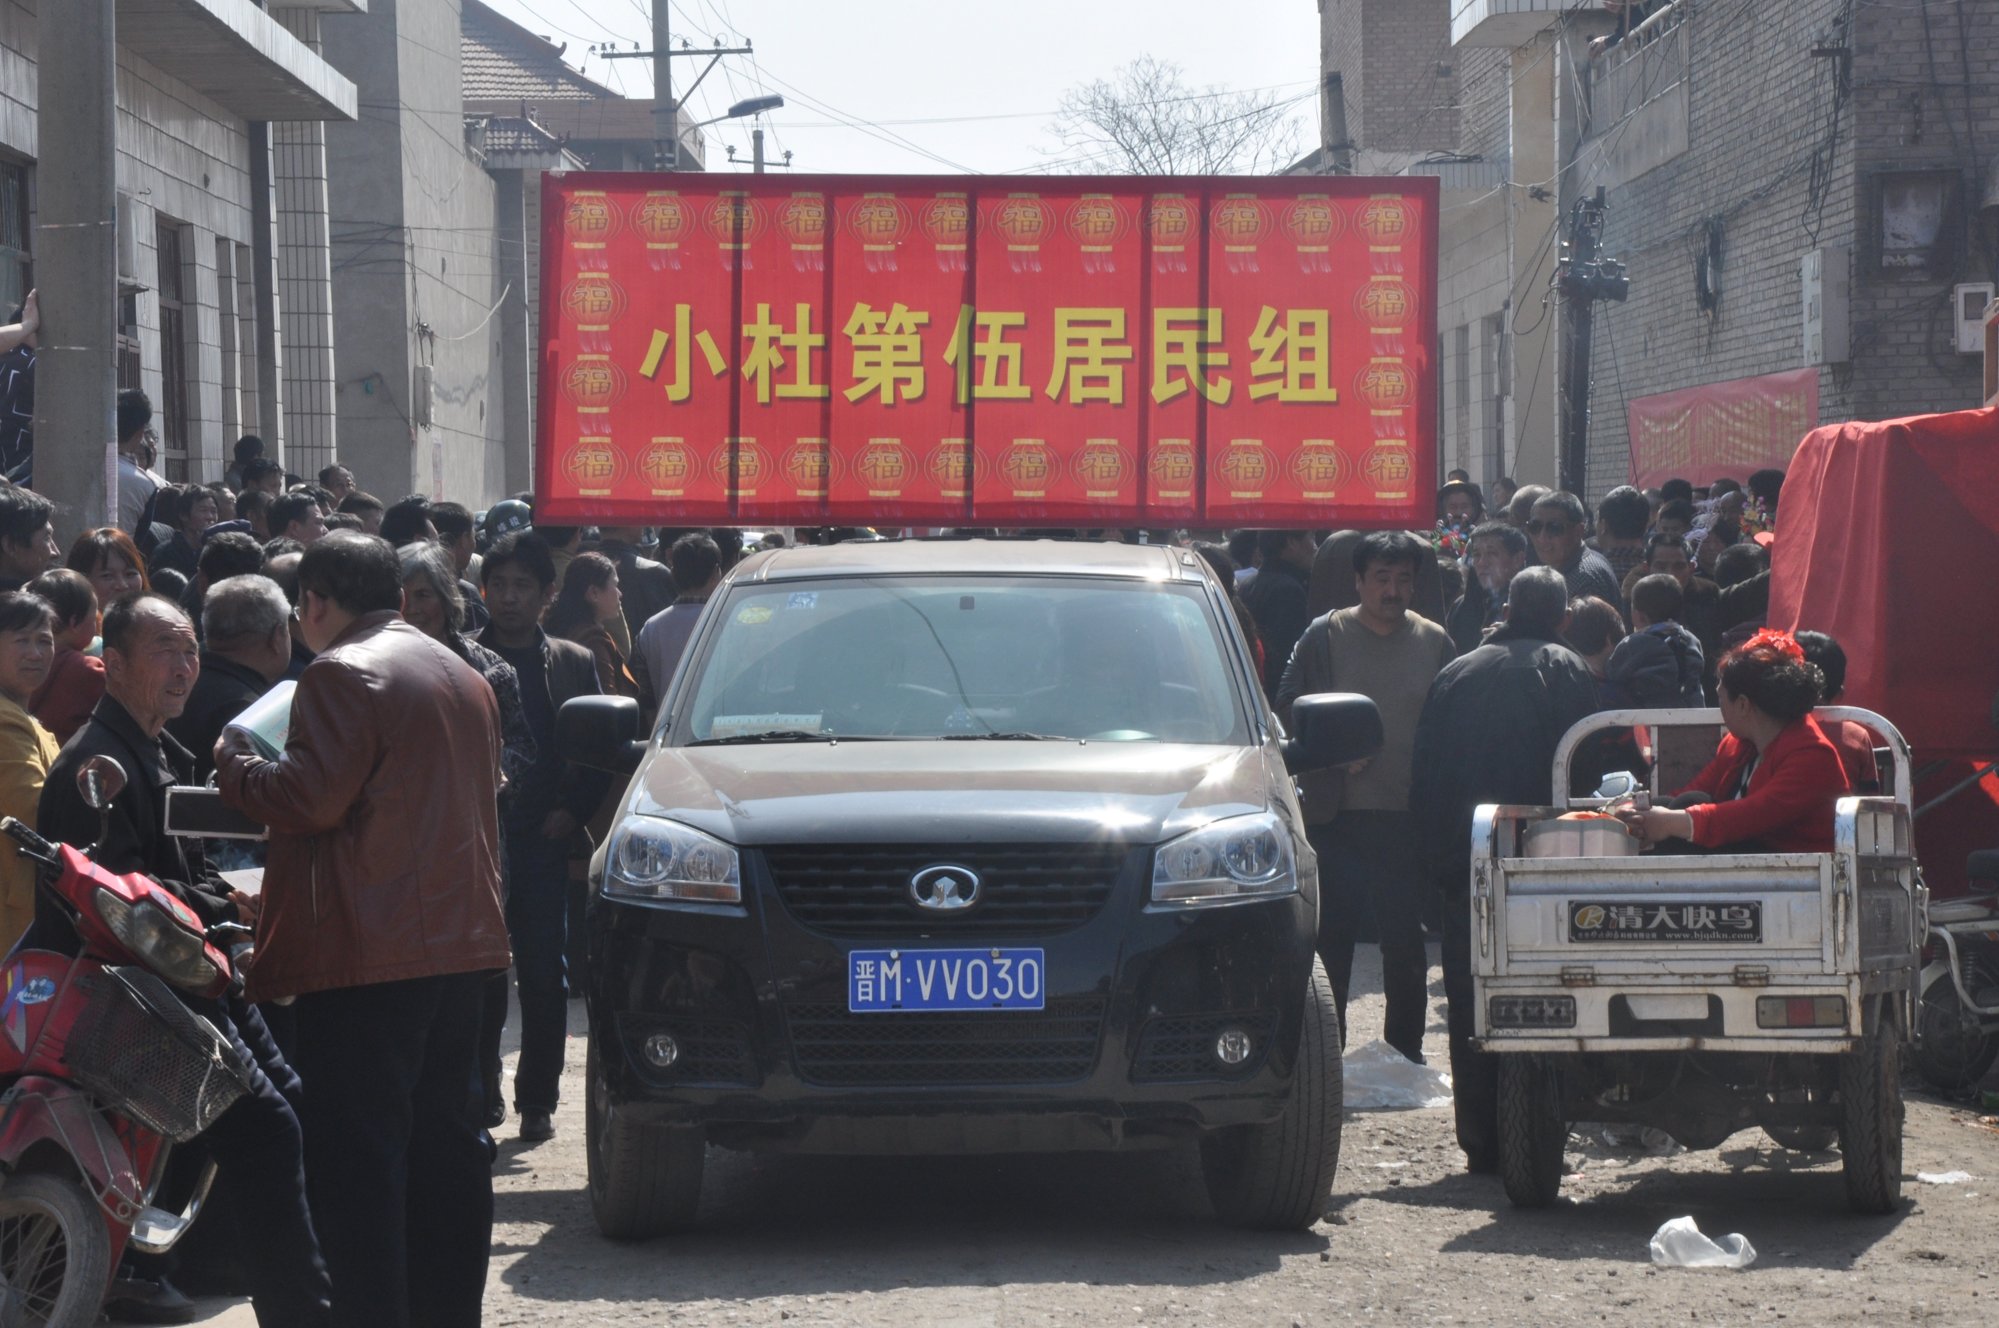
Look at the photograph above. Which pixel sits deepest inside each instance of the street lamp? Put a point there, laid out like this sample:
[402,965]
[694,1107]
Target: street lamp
[748,106]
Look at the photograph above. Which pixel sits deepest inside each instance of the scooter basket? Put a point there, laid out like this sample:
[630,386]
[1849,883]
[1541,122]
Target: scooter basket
[139,1050]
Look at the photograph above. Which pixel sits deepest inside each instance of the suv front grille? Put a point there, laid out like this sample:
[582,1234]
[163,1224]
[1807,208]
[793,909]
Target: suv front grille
[839,1049]
[1024,890]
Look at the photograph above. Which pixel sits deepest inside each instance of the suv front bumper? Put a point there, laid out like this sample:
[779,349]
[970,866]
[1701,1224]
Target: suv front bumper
[765,1053]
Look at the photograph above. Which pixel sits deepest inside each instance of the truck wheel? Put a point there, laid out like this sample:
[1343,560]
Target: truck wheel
[1952,1051]
[55,1253]
[645,1179]
[1803,1138]
[1532,1130]
[1870,1119]
[1277,1177]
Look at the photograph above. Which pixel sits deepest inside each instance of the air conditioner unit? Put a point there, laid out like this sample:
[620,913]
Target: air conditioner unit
[1969,301]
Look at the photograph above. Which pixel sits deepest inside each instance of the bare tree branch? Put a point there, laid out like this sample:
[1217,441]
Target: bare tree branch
[1147,120]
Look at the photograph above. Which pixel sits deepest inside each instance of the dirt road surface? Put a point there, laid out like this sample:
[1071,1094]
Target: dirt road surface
[1409,1238]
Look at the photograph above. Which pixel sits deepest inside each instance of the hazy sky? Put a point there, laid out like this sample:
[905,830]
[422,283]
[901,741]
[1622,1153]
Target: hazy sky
[972,84]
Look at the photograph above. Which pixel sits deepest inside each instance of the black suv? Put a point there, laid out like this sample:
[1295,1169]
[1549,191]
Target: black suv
[962,847]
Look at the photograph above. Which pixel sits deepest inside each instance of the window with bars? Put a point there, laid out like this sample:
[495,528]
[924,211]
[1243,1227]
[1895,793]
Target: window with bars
[15,258]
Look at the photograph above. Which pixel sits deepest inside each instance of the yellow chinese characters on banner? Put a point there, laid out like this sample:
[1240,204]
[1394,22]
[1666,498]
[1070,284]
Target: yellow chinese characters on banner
[937,351]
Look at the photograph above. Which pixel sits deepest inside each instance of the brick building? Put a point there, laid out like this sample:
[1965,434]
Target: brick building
[1759,161]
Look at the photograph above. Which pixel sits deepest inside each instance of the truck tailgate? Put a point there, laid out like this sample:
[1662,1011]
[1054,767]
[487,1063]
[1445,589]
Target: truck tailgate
[1662,915]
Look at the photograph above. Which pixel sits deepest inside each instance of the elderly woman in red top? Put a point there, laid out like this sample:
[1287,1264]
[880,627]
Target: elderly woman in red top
[1773,781]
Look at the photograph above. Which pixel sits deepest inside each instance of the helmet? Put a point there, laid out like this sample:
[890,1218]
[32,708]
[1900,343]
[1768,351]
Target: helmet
[504,518]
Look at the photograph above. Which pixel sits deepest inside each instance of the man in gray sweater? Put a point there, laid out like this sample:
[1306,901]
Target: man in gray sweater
[1366,851]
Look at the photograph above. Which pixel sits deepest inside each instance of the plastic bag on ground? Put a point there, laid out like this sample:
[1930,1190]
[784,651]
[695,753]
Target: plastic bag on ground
[1680,1244]
[1380,1078]
[1943,1177]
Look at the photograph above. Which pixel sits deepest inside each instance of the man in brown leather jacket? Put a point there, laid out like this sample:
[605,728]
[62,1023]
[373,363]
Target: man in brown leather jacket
[381,914]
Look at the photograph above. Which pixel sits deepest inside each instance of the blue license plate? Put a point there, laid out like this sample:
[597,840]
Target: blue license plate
[881,981]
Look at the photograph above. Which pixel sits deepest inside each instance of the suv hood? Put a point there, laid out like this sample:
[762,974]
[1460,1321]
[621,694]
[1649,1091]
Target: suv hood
[946,792]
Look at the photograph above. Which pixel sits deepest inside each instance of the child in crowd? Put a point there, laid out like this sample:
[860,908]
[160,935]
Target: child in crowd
[1659,665]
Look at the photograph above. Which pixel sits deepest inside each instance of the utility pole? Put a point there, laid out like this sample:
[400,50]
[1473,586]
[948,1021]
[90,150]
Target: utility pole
[76,261]
[665,132]
[757,149]
[665,107]
[1583,277]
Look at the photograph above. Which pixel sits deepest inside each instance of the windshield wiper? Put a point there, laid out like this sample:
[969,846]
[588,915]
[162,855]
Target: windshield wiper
[1006,737]
[772,735]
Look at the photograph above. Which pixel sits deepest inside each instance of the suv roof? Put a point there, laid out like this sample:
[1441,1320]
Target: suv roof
[1040,557]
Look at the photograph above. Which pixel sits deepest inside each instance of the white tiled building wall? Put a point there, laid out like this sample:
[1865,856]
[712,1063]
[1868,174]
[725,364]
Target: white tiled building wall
[181,159]
[298,170]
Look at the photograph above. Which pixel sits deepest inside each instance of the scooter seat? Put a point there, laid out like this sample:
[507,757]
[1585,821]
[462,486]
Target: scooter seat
[1966,908]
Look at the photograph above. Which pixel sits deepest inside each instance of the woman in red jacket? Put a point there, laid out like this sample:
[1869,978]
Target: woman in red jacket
[1773,781]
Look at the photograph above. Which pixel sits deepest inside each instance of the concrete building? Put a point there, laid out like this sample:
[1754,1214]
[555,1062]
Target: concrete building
[1804,195]
[1412,103]
[532,113]
[202,88]
[435,218]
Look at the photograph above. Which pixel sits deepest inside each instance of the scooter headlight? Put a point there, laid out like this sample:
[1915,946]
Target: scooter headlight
[158,941]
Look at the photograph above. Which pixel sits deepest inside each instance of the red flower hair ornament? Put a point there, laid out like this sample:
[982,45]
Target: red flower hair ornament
[1780,643]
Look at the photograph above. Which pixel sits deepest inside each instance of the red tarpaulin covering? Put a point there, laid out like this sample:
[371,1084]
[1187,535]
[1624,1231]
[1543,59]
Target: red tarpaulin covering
[830,350]
[1886,539]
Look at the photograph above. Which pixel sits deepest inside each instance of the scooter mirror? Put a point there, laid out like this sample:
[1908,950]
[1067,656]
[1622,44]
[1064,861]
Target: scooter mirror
[100,780]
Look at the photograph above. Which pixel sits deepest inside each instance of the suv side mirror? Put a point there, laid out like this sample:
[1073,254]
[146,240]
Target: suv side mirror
[601,732]
[1333,728]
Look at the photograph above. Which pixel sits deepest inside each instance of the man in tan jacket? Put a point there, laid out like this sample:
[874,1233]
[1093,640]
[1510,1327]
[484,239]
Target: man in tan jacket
[381,915]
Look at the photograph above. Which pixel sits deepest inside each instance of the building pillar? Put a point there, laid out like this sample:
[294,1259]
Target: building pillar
[516,354]
[305,274]
[76,267]
[264,282]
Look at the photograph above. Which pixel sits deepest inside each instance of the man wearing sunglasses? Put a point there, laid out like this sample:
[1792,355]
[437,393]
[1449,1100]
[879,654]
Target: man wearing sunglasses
[1556,527]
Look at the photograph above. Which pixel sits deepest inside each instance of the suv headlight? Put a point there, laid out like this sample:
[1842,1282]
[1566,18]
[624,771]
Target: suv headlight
[1232,861]
[653,860]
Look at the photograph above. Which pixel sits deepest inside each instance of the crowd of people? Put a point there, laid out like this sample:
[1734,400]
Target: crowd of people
[432,649]
[1482,642]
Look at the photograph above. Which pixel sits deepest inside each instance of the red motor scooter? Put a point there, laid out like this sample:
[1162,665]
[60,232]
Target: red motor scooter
[104,1067]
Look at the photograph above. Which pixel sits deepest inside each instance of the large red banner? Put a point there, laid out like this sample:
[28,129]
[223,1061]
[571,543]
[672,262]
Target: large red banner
[1079,352]
[1719,430]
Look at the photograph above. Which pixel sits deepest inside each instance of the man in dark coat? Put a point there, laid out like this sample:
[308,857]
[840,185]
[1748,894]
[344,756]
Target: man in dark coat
[647,586]
[550,804]
[247,647]
[150,666]
[1498,553]
[1277,598]
[1488,735]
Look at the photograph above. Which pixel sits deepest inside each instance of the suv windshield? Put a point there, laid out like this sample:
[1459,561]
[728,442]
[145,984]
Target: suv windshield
[967,657]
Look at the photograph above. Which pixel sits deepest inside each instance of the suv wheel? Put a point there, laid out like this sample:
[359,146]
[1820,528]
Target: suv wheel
[645,1179]
[1278,1176]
